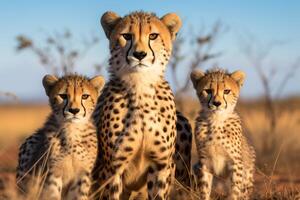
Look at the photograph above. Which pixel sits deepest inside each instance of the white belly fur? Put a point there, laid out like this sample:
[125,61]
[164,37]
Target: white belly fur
[218,159]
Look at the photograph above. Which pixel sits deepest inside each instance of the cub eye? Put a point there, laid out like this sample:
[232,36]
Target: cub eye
[127,36]
[153,36]
[85,96]
[208,91]
[226,91]
[63,96]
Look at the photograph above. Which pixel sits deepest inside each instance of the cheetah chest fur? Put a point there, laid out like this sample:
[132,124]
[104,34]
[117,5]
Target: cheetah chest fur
[73,149]
[139,127]
[219,140]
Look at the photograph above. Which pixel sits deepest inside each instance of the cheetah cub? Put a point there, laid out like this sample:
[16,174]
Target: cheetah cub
[220,142]
[64,151]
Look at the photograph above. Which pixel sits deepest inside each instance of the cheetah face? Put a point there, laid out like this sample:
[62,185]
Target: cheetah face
[217,90]
[73,97]
[140,41]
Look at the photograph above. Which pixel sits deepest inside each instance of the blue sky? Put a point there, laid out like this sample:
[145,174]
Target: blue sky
[268,20]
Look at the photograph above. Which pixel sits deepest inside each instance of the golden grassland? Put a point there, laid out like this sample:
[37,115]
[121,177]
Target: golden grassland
[278,165]
[277,150]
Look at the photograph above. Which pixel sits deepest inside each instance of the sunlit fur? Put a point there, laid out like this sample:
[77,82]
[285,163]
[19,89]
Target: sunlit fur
[220,142]
[140,25]
[62,153]
[218,85]
[68,93]
[136,114]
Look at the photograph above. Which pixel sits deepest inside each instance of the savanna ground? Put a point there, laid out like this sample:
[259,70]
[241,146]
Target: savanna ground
[278,148]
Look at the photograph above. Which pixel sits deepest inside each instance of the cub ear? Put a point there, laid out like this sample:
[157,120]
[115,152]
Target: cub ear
[98,82]
[173,23]
[48,82]
[108,21]
[239,77]
[196,75]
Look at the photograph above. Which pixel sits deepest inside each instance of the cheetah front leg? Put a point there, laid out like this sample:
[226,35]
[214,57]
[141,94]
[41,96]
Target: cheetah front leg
[113,190]
[111,177]
[248,183]
[52,187]
[159,181]
[111,180]
[80,188]
[237,181]
[206,178]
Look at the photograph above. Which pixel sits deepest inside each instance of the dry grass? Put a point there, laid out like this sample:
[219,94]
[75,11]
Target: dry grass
[18,121]
[278,171]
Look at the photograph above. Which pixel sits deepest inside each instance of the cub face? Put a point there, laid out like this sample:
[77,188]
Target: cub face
[140,41]
[217,90]
[72,97]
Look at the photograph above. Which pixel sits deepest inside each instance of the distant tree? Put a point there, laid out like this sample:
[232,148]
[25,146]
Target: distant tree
[57,53]
[9,96]
[257,54]
[201,50]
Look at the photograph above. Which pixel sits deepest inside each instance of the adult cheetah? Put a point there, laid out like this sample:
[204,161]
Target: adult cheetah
[64,151]
[136,114]
[220,142]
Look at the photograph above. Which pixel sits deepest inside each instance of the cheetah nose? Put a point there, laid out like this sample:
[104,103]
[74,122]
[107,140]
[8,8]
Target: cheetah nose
[139,54]
[74,111]
[217,103]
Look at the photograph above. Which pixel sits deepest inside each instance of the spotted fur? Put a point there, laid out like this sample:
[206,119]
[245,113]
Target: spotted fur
[60,156]
[136,114]
[220,142]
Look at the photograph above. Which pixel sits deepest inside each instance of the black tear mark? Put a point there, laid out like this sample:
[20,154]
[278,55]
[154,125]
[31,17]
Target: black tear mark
[83,108]
[225,101]
[151,51]
[63,111]
[127,53]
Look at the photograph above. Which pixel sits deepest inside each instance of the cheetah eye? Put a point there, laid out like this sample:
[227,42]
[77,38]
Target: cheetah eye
[208,91]
[127,36]
[226,91]
[63,96]
[153,36]
[85,96]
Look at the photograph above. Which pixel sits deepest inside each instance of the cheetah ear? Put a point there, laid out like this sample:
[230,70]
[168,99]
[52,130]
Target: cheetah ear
[108,21]
[98,82]
[196,75]
[239,77]
[173,23]
[48,83]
